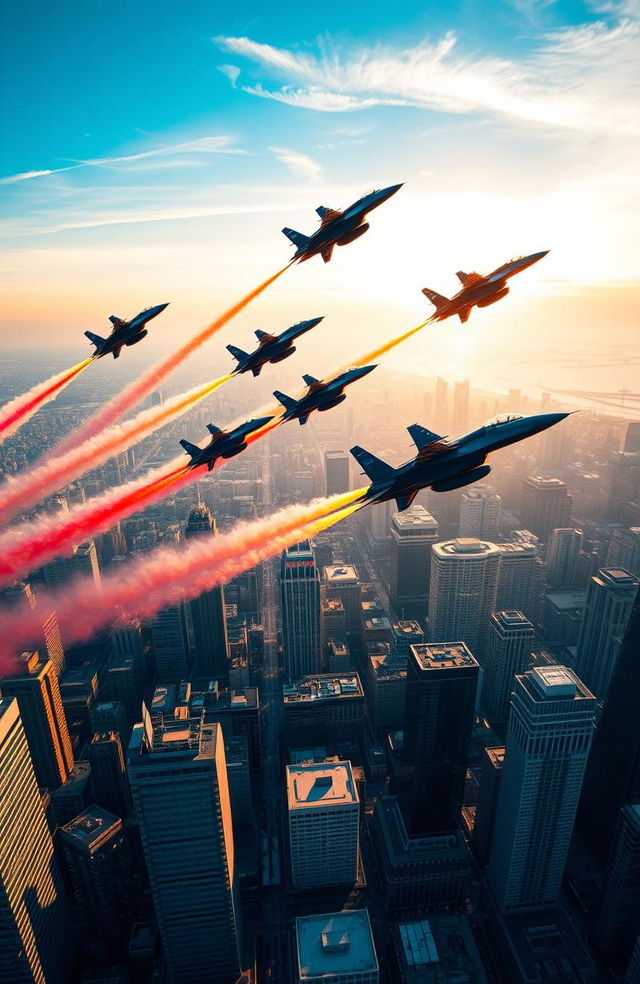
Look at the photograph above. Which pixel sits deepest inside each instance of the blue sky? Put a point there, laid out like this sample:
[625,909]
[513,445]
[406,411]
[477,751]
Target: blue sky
[177,140]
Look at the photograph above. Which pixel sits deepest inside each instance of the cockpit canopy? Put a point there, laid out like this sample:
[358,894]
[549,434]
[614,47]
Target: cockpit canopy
[503,418]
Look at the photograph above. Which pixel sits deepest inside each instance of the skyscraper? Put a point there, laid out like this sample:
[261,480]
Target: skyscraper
[463,589]
[181,797]
[619,919]
[413,533]
[45,725]
[342,581]
[35,929]
[546,505]
[562,558]
[510,645]
[480,512]
[210,646]
[442,680]
[300,606]
[624,549]
[336,468]
[460,406]
[170,643]
[109,774]
[610,598]
[548,740]
[616,742]
[490,776]
[519,578]
[324,817]
[82,562]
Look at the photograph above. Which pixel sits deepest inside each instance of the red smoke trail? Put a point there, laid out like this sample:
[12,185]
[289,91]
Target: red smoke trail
[150,380]
[16,413]
[166,575]
[56,472]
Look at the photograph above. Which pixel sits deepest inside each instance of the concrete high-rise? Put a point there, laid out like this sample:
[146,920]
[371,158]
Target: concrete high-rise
[336,470]
[480,512]
[610,598]
[463,590]
[442,680]
[210,645]
[510,646]
[170,641]
[342,581]
[324,817]
[548,740]
[413,534]
[109,773]
[624,549]
[562,558]
[490,776]
[82,562]
[35,927]
[180,791]
[619,918]
[546,505]
[335,948]
[45,725]
[519,578]
[300,607]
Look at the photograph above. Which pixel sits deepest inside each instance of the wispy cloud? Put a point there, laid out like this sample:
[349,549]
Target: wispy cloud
[582,77]
[157,157]
[231,71]
[300,165]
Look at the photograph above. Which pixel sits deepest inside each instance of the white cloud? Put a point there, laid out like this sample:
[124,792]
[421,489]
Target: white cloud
[300,165]
[231,71]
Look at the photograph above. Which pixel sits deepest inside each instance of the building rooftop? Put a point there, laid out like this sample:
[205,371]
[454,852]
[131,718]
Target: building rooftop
[496,755]
[388,667]
[415,520]
[324,686]
[335,943]
[464,546]
[332,605]
[511,619]
[517,549]
[418,945]
[407,627]
[91,825]
[549,683]
[442,655]
[340,574]
[311,785]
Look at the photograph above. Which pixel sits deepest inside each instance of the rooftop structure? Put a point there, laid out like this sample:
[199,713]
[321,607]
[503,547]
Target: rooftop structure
[323,686]
[442,655]
[336,948]
[311,785]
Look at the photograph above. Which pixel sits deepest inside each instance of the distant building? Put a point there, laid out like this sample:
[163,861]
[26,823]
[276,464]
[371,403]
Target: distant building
[562,614]
[322,709]
[519,578]
[386,689]
[109,774]
[170,641]
[300,609]
[624,550]
[480,513]
[332,621]
[342,582]
[510,646]
[464,585]
[323,810]
[548,740]
[438,950]
[336,948]
[413,534]
[619,919]
[82,562]
[336,470]
[35,926]
[610,598]
[210,646]
[111,716]
[181,796]
[490,775]
[405,634]
[562,558]
[546,505]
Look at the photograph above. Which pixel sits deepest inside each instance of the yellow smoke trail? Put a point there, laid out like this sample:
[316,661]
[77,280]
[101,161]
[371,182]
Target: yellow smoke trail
[18,411]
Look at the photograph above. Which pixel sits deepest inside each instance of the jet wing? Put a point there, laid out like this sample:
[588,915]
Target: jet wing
[327,253]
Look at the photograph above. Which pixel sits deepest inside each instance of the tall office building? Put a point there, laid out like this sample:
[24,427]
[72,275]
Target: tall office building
[548,740]
[83,562]
[562,558]
[110,716]
[546,505]
[300,607]
[632,437]
[210,645]
[480,513]
[519,578]
[463,590]
[413,534]
[610,598]
[442,679]
[35,927]
[45,725]
[109,773]
[170,641]
[461,406]
[336,470]
[619,919]
[510,646]
[180,791]
[624,549]
[615,755]
[441,413]
[342,581]
[324,817]
[485,819]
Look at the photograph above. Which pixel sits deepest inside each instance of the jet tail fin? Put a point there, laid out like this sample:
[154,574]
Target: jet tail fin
[191,449]
[287,401]
[375,468]
[115,320]
[438,300]
[309,380]
[463,314]
[296,238]
[237,353]
[421,436]
[262,334]
[256,370]
[214,430]
[96,340]
[404,501]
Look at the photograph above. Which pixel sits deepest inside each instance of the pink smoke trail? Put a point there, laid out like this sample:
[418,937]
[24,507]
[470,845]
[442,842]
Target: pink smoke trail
[55,472]
[166,575]
[150,380]
[21,409]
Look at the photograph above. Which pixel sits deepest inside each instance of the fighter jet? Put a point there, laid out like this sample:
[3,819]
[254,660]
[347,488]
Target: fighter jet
[223,444]
[320,395]
[338,228]
[477,290]
[442,464]
[124,332]
[271,348]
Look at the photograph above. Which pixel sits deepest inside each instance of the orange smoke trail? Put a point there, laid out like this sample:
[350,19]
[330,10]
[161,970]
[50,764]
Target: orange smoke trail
[150,380]
[364,360]
[56,472]
[16,413]
[166,575]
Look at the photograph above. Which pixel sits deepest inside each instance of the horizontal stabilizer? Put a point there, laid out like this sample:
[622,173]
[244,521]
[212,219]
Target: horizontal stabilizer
[96,340]
[191,449]
[214,430]
[296,238]
[421,436]
[404,501]
[438,300]
[374,467]
[463,314]
[303,419]
[237,353]
[256,371]
[287,401]
[310,380]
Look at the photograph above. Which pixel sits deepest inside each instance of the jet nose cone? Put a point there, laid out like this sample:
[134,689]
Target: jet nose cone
[388,192]
[364,371]
[545,420]
[161,307]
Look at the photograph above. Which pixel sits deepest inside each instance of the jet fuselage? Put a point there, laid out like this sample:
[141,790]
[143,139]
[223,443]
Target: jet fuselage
[320,395]
[223,444]
[124,332]
[271,348]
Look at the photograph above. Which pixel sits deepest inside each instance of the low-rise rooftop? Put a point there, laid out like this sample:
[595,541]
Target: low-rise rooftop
[442,655]
[338,943]
[324,686]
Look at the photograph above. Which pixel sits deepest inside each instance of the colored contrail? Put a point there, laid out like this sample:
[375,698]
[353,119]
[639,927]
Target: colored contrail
[168,574]
[19,410]
[55,472]
[151,379]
